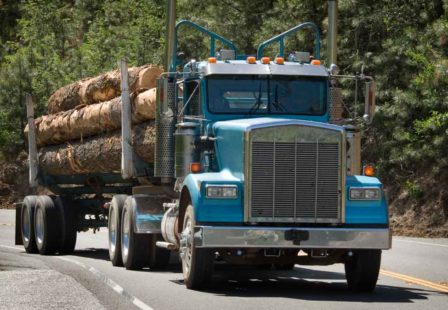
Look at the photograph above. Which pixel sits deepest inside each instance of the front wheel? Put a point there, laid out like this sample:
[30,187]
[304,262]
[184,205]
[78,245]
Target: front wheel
[197,263]
[362,270]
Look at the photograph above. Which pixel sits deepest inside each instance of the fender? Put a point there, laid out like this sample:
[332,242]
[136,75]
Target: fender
[215,209]
[148,214]
[365,212]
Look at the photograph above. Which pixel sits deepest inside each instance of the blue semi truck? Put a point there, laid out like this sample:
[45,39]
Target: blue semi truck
[256,162]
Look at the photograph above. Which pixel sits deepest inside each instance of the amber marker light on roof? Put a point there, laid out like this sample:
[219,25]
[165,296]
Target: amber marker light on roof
[212,60]
[251,60]
[265,60]
[195,167]
[279,60]
[315,62]
[369,171]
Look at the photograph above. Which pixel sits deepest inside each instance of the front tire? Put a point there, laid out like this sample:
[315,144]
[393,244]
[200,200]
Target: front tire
[114,229]
[362,270]
[197,263]
[27,224]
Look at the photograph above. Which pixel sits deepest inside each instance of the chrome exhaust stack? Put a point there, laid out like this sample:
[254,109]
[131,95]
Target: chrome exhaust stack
[332,32]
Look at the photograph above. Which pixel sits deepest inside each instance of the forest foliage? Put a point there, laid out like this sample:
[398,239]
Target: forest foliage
[45,44]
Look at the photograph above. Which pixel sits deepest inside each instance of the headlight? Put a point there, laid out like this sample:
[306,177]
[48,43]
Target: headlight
[365,193]
[221,191]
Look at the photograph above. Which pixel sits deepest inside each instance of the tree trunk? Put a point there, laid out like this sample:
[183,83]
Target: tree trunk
[101,88]
[94,119]
[98,154]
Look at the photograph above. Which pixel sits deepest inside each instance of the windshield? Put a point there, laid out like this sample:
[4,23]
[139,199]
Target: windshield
[267,95]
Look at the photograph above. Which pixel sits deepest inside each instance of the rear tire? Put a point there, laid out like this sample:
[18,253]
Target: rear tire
[114,229]
[134,247]
[197,263]
[362,270]
[27,224]
[47,226]
[68,220]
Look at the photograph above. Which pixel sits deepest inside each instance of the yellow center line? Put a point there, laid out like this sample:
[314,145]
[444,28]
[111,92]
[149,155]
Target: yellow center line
[425,283]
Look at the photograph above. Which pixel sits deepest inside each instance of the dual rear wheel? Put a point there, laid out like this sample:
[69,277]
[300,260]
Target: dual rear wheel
[48,225]
[128,248]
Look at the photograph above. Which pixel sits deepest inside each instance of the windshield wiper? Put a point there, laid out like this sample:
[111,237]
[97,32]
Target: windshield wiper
[277,104]
[256,106]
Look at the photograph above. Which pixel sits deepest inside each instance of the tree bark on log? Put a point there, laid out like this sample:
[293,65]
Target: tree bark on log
[98,154]
[90,120]
[102,88]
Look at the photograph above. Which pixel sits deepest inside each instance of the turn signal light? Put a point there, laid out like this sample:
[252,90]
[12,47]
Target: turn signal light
[251,60]
[279,60]
[195,167]
[265,60]
[315,62]
[369,171]
[212,60]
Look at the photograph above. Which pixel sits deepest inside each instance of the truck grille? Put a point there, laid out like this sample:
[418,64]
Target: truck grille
[294,181]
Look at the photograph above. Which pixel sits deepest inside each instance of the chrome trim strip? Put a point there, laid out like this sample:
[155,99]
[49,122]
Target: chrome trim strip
[274,237]
[286,122]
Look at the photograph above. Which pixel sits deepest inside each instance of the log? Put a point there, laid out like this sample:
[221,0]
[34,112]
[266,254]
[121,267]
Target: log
[98,154]
[101,88]
[85,121]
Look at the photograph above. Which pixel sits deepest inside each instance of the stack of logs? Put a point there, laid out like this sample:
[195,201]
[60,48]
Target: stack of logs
[81,133]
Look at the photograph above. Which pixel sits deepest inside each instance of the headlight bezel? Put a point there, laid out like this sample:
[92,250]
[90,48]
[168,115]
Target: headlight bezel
[362,193]
[222,188]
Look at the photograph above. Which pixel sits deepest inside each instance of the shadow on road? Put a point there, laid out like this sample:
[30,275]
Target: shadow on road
[299,283]
[102,254]
[303,284]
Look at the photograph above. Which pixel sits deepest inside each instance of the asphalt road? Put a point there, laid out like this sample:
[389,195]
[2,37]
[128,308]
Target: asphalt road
[414,276]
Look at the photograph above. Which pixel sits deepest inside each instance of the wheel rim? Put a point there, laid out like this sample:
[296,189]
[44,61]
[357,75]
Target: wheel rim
[112,233]
[39,226]
[186,246]
[125,232]
[26,225]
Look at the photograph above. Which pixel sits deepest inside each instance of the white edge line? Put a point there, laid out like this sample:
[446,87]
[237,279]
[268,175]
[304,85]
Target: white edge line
[117,288]
[420,242]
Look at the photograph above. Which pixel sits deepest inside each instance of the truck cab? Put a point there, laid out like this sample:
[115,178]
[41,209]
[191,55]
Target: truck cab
[268,170]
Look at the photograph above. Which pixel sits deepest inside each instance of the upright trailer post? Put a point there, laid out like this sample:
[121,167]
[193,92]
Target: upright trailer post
[127,167]
[32,147]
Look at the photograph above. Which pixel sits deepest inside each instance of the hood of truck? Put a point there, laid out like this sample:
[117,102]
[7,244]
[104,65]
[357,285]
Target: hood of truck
[230,138]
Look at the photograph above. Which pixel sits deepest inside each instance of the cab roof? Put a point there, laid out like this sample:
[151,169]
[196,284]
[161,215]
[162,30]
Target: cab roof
[241,67]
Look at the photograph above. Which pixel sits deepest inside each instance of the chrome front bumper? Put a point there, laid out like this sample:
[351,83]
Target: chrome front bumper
[288,237]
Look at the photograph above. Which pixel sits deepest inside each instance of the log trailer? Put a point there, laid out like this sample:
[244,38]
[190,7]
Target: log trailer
[256,163]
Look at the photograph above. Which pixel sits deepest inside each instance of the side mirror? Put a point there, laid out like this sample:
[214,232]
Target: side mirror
[369,106]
